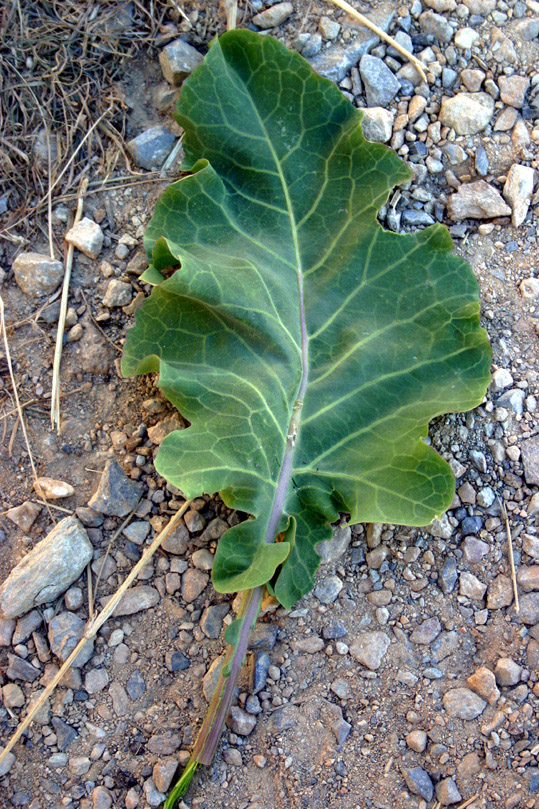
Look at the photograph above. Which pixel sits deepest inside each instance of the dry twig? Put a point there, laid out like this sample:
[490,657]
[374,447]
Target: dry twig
[511,555]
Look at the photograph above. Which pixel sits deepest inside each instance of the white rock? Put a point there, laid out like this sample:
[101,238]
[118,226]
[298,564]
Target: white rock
[441,528]
[119,293]
[50,489]
[477,200]
[465,38]
[377,124]
[329,28]
[518,191]
[370,649]
[529,288]
[471,587]
[37,274]
[48,570]
[87,237]
[467,113]
[501,379]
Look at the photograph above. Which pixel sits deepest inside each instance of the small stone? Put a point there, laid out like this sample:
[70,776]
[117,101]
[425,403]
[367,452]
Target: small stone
[12,696]
[260,672]
[483,682]
[65,631]
[505,120]
[241,722]
[449,575]
[507,672]
[313,46]
[37,274]
[447,792]
[7,628]
[119,293]
[273,16]
[529,288]
[426,632]
[467,494]
[7,763]
[87,237]
[211,621]
[441,528]
[195,521]
[20,669]
[263,637]
[329,28]
[471,587]
[310,645]
[333,549]
[529,609]
[203,559]
[530,545]
[65,734]
[177,661]
[513,90]
[50,489]
[152,794]
[518,191]
[135,686]
[370,649]
[101,798]
[377,124]
[472,79]
[116,495]
[132,799]
[137,532]
[120,699]
[232,756]
[436,26]
[474,550]
[48,570]
[465,38]
[476,200]
[149,150]
[194,582]
[417,740]
[501,379]
[380,83]
[165,744]
[527,578]
[136,599]
[463,703]
[163,773]
[500,593]
[327,591]
[178,60]
[96,680]
[418,782]
[482,164]
[333,630]
[25,515]
[530,454]
[26,626]
[467,113]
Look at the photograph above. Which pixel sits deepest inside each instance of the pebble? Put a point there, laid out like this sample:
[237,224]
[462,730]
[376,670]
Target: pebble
[501,379]
[26,626]
[136,599]
[513,90]
[194,582]
[370,648]
[163,773]
[119,293]
[37,274]
[333,549]
[310,645]
[120,699]
[25,515]
[380,83]
[419,782]
[471,587]
[273,16]
[518,191]
[135,685]
[178,60]
[530,450]
[449,575]
[241,722]
[12,696]
[87,237]
[529,609]
[137,532]
[527,578]
[176,542]
[333,630]
[474,550]
[426,632]
[417,740]
[96,680]
[101,798]
[65,631]
[483,682]
[177,661]
[477,200]
[51,489]
[152,794]
[447,792]
[116,495]
[463,703]
[472,79]
[211,621]
[327,591]
[465,38]
[48,570]
[65,734]
[149,150]
[467,113]
[165,744]
[436,26]
[507,672]
[500,593]
[7,763]
[203,559]
[377,124]
[232,756]
[329,28]
[529,288]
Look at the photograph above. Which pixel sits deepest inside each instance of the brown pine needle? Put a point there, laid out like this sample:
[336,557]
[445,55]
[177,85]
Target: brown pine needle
[382,34]
[93,626]
[511,555]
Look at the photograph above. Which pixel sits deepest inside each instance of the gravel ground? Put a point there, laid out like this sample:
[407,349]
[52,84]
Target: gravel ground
[407,678]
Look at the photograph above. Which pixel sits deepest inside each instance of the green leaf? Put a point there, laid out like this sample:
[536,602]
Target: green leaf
[307,346]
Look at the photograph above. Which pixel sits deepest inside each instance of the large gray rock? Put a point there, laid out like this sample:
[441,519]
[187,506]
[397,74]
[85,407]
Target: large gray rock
[48,570]
[37,274]
[477,200]
[178,60]
[381,85]
[116,495]
[335,63]
[467,113]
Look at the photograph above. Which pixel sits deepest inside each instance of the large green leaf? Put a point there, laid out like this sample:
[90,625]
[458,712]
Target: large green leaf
[307,346]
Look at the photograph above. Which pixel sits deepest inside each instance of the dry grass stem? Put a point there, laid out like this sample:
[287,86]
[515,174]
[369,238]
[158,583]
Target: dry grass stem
[55,391]
[511,555]
[16,395]
[93,626]
[468,802]
[382,34]
[112,540]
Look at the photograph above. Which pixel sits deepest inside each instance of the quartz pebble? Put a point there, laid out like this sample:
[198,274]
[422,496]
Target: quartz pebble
[87,237]
[518,191]
[50,489]
[370,649]
[467,113]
